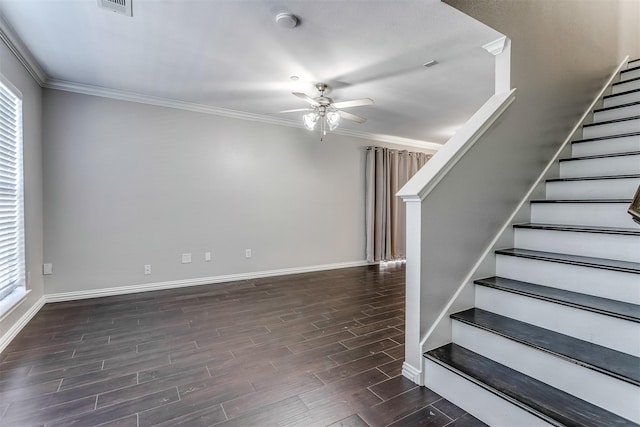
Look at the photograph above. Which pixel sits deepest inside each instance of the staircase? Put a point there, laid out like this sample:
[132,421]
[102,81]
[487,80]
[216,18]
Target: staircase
[554,338]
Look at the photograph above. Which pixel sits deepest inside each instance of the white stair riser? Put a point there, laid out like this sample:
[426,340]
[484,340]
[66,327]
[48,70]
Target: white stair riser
[608,129]
[625,85]
[617,285]
[599,245]
[602,390]
[625,144]
[477,401]
[607,166]
[608,331]
[622,99]
[621,188]
[588,214]
[617,113]
[630,75]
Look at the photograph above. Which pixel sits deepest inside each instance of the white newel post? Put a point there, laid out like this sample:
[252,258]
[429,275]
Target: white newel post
[412,366]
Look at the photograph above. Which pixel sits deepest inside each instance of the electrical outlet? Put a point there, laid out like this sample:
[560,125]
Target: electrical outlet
[207,256]
[47,268]
[147,269]
[186,258]
[247,253]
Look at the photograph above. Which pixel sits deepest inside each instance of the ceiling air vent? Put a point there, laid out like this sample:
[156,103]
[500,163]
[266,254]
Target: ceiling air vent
[119,6]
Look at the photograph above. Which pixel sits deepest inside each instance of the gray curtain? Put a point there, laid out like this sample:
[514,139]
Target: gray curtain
[387,171]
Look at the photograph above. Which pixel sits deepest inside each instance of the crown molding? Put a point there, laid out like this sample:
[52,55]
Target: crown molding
[163,102]
[21,52]
[31,65]
[390,139]
[224,112]
[496,47]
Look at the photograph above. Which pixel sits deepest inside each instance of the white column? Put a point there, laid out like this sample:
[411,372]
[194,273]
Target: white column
[501,49]
[412,366]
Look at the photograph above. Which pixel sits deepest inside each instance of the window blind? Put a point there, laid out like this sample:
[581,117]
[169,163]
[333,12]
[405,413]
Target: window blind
[11,191]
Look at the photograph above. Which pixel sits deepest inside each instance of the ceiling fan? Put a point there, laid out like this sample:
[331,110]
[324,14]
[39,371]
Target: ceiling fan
[327,112]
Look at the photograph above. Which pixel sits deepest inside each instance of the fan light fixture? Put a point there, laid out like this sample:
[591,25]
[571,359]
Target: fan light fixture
[323,110]
[328,118]
[310,120]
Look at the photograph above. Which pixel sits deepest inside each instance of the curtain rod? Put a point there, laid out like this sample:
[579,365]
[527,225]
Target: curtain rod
[373,147]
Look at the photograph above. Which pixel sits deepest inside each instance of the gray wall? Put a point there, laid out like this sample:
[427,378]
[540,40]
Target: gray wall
[129,184]
[13,70]
[562,53]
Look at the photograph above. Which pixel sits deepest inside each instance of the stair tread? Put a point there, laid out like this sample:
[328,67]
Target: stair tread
[607,122]
[616,107]
[621,93]
[602,138]
[595,178]
[621,82]
[605,264]
[602,359]
[581,228]
[637,67]
[601,156]
[552,404]
[609,307]
[627,201]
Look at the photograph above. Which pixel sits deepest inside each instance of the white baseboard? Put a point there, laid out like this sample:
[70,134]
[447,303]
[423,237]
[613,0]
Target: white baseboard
[412,373]
[145,287]
[21,323]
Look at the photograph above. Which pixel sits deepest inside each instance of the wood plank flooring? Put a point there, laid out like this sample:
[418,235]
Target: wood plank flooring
[313,349]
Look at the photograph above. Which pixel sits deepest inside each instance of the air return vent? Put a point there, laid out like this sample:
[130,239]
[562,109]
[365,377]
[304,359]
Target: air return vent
[119,6]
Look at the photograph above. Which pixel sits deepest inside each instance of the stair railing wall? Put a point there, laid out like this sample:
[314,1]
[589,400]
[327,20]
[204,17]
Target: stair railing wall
[428,329]
[427,178]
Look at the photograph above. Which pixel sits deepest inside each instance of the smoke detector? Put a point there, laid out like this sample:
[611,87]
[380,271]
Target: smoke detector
[286,20]
[122,7]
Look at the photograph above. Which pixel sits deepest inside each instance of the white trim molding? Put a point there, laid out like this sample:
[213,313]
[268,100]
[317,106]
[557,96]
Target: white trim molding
[173,284]
[497,46]
[412,373]
[12,301]
[225,112]
[21,52]
[15,329]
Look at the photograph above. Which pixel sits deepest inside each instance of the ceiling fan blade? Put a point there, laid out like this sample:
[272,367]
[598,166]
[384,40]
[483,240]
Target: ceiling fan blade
[306,98]
[294,111]
[352,117]
[353,103]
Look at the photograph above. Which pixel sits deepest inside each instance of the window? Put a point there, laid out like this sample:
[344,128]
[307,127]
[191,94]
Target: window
[12,277]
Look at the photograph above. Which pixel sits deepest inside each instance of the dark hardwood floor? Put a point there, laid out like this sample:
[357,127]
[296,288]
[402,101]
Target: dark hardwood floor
[311,349]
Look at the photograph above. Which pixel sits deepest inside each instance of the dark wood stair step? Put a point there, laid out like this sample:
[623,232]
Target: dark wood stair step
[633,68]
[583,261]
[627,201]
[593,178]
[622,366]
[621,93]
[604,138]
[621,82]
[549,403]
[616,107]
[608,122]
[601,156]
[581,229]
[604,306]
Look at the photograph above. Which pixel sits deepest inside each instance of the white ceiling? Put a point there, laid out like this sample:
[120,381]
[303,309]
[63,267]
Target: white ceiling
[230,54]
